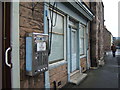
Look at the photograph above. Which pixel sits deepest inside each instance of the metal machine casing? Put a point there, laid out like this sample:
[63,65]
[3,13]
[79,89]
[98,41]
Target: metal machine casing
[36,53]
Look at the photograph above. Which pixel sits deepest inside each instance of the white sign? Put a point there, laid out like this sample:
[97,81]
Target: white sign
[41,46]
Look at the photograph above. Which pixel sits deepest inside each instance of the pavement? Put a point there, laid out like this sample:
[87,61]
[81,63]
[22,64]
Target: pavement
[103,77]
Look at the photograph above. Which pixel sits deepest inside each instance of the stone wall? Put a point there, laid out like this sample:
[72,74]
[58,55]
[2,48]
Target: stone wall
[58,75]
[93,37]
[101,30]
[30,21]
[96,37]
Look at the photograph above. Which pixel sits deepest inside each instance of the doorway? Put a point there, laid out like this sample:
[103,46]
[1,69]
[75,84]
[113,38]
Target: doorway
[73,40]
[0,45]
[5,71]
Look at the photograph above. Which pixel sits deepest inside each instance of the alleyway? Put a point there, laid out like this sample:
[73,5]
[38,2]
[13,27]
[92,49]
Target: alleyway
[104,77]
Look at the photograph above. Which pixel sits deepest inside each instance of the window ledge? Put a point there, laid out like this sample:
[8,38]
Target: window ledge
[54,65]
[83,56]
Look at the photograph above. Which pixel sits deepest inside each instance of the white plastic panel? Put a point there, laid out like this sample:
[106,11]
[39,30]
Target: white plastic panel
[74,51]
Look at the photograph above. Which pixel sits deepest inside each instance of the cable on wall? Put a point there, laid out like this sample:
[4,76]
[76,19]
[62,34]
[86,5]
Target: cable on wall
[53,24]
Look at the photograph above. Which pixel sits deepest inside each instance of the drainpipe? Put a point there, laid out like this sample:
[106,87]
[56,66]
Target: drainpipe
[47,82]
[67,54]
[79,62]
[91,41]
[87,46]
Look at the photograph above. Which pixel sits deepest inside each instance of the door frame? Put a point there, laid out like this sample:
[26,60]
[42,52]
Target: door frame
[15,59]
[68,33]
[13,16]
[71,40]
[77,51]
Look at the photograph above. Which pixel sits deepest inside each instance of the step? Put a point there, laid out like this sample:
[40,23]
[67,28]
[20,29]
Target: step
[93,67]
[77,78]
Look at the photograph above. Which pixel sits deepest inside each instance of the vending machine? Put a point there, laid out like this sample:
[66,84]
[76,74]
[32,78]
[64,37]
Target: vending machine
[36,53]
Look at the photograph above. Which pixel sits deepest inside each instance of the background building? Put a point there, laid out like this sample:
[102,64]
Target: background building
[107,40]
[116,41]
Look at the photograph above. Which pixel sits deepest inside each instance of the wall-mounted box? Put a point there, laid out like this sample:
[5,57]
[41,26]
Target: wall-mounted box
[36,53]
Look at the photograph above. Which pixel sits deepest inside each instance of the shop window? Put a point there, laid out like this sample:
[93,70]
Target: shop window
[57,46]
[82,40]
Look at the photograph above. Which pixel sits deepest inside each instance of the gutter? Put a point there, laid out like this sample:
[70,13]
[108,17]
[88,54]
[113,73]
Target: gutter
[81,8]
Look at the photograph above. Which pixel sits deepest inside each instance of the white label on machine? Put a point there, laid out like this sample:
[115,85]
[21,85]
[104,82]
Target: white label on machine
[41,46]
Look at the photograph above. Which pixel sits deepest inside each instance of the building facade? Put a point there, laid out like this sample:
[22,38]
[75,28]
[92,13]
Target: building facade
[74,45]
[29,21]
[68,32]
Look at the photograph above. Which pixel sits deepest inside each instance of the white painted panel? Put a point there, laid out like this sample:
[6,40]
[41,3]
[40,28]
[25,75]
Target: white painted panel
[73,62]
[74,50]
[15,45]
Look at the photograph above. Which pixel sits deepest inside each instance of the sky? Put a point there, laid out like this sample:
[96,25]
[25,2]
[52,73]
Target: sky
[111,16]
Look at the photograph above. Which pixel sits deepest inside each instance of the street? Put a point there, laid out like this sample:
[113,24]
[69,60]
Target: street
[103,77]
[59,44]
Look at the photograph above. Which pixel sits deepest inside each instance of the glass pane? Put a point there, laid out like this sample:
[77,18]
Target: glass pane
[74,42]
[58,22]
[57,50]
[82,32]
[82,40]
[81,46]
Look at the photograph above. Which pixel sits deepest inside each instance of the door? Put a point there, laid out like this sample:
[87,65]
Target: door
[73,50]
[6,70]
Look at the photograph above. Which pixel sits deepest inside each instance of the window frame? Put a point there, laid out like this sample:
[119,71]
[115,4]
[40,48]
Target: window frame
[84,39]
[64,36]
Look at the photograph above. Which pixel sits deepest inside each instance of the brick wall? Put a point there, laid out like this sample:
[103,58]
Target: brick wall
[83,64]
[30,21]
[59,75]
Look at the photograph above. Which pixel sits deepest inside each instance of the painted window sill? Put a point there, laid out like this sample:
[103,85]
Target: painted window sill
[83,56]
[54,65]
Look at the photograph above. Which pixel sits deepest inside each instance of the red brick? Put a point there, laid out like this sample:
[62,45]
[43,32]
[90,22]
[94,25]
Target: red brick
[83,64]
[29,23]
[57,74]
[24,84]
